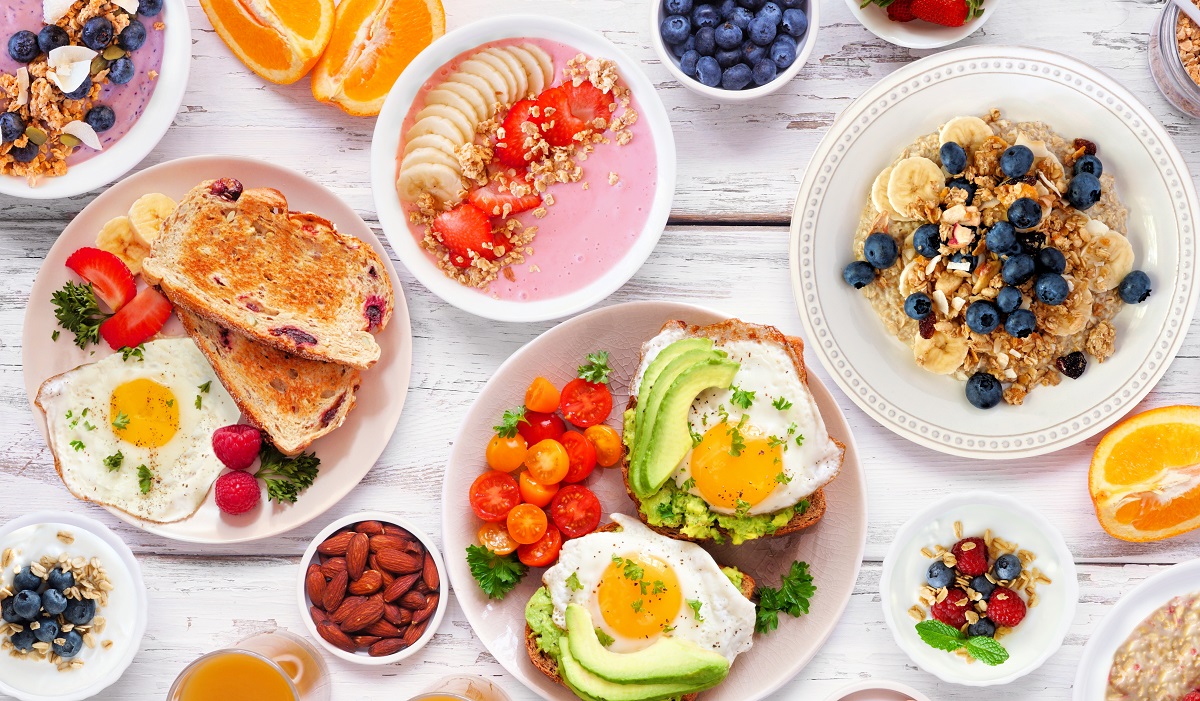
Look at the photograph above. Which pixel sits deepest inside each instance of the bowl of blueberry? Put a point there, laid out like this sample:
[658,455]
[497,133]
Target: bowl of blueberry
[734,50]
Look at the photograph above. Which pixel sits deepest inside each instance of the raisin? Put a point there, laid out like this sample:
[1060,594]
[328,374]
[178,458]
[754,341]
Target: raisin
[1088,147]
[227,188]
[1072,364]
[926,326]
[297,336]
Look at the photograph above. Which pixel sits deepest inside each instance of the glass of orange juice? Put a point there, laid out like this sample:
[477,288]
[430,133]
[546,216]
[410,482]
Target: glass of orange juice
[276,666]
[462,687]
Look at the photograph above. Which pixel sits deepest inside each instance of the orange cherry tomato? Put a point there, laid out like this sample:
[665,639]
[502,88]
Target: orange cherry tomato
[506,454]
[582,456]
[586,403]
[544,552]
[527,524]
[535,493]
[547,462]
[607,444]
[495,537]
[493,495]
[541,396]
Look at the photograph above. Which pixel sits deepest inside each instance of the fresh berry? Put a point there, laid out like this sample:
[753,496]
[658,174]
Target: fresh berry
[26,579]
[764,70]
[687,63]
[859,274]
[133,36]
[675,29]
[1006,608]
[237,446]
[939,575]
[1192,696]
[466,231]
[918,306]
[983,585]
[121,71]
[901,11]
[149,8]
[1020,323]
[948,13]
[880,250]
[1016,161]
[97,33]
[1072,364]
[60,580]
[23,46]
[705,16]
[1017,270]
[52,37]
[953,609]
[110,277]
[512,151]
[1008,300]
[1083,191]
[963,184]
[708,71]
[706,41]
[783,51]
[80,612]
[559,126]
[680,49]
[762,30]
[1135,288]
[983,317]
[1088,163]
[1007,567]
[72,643]
[8,612]
[753,54]
[1051,289]
[23,641]
[1025,213]
[772,12]
[27,604]
[80,92]
[728,36]
[927,240]
[795,22]
[236,492]
[1002,239]
[678,7]
[741,18]
[53,602]
[728,58]
[587,103]
[1051,260]
[138,321]
[47,629]
[737,76]
[982,627]
[11,127]
[498,202]
[954,158]
[984,391]
[100,118]
[971,554]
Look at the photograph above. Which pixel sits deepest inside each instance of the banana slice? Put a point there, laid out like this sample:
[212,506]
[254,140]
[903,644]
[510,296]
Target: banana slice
[533,70]
[942,354]
[1071,316]
[441,126]
[544,60]
[118,237]
[437,141]
[455,101]
[486,90]
[472,95]
[968,132]
[915,184]
[500,85]
[147,215]
[515,67]
[437,179]
[430,155]
[1112,255]
[879,196]
[464,125]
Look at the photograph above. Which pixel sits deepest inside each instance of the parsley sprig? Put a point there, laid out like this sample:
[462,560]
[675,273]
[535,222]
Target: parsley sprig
[943,637]
[497,574]
[145,479]
[286,477]
[596,369]
[77,311]
[743,398]
[795,591]
[507,428]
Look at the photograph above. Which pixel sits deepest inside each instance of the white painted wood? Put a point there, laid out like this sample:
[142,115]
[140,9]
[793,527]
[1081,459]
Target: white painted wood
[739,166]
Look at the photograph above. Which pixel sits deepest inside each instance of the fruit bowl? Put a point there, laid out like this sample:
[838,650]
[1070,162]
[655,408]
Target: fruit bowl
[917,34]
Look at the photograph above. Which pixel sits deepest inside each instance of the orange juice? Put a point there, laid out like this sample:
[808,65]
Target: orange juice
[236,676]
[462,687]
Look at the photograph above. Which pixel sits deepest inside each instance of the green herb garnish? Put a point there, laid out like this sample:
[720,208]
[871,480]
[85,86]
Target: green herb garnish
[596,370]
[792,597]
[497,574]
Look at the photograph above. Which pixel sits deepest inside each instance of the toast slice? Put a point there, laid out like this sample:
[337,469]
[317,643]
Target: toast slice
[724,332]
[293,400]
[285,279]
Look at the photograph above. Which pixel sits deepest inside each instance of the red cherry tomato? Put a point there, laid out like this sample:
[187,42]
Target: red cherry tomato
[544,552]
[537,427]
[585,403]
[575,510]
[493,495]
[582,455]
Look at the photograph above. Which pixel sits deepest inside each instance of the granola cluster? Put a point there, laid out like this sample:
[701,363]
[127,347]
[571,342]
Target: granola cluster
[1187,37]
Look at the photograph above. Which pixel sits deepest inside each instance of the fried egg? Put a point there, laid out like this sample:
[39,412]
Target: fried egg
[759,446]
[134,430]
[639,586]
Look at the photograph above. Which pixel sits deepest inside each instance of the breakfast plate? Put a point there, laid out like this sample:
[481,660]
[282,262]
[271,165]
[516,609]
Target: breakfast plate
[346,454]
[917,34]
[876,370]
[832,548]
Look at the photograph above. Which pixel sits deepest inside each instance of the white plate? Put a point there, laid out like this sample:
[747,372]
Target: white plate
[386,142]
[118,159]
[1091,680]
[917,34]
[346,454]
[833,548]
[877,690]
[875,369]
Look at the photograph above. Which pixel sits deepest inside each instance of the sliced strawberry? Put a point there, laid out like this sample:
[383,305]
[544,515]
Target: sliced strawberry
[558,124]
[512,150]
[110,277]
[137,321]
[466,231]
[588,102]
[492,199]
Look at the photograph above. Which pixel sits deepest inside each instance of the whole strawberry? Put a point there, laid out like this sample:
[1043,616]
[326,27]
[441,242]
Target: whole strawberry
[901,11]
[949,13]
[953,609]
[971,554]
[1006,608]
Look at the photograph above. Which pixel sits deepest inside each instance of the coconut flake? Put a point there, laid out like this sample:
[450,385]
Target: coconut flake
[22,86]
[932,264]
[84,132]
[130,6]
[69,66]
[939,300]
[1095,227]
[54,10]
[961,265]
[957,304]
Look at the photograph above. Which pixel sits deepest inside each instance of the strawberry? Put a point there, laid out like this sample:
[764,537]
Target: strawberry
[558,124]
[1006,608]
[237,446]
[588,102]
[949,13]
[512,151]
[953,609]
[972,557]
[110,277]
[236,492]
[901,11]
[492,199]
[466,231]
[137,321]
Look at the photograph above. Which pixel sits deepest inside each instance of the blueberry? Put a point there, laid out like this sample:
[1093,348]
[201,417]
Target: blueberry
[1088,163]
[728,59]
[26,579]
[783,51]
[675,29]
[752,4]
[1051,289]
[80,92]
[772,12]
[753,53]
[1025,213]
[927,239]
[1051,260]
[1135,288]
[880,250]
[1016,161]
[70,646]
[984,586]
[762,30]
[728,36]
[1020,323]
[708,71]
[1007,567]
[963,184]
[984,391]
[687,63]
[706,41]
[859,274]
[53,602]
[60,580]
[764,72]
[983,317]
[132,37]
[149,8]
[726,8]
[954,158]
[960,257]
[8,613]
[673,7]
[27,604]
[1002,239]
[47,630]
[52,37]
[741,18]
[736,76]
[1008,300]
[1084,191]
[23,641]
[101,118]
[983,627]
[678,50]
[918,306]
[939,575]
[795,22]
[97,34]
[705,16]
[23,46]
[791,4]
[24,154]
[80,611]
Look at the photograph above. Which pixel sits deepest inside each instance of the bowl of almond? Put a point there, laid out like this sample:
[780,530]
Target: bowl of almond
[371,588]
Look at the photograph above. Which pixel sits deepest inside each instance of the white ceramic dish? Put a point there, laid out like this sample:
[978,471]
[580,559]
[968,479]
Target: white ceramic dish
[917,34]
[875,369]
[1037,637]
[361,657]
[128,596]
[386,142]
[1091,681]
[149,129]
[804,49]
[877,690]
[833,548]
[346,454]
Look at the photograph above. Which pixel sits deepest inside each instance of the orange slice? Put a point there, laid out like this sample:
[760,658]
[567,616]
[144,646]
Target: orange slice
[280,40]
[1145,475]
[373,41]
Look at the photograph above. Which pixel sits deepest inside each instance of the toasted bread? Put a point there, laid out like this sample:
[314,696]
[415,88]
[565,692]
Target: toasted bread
[737,330]
[289,280]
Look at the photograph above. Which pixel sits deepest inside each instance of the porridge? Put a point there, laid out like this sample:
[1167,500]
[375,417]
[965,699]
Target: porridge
[1159,662]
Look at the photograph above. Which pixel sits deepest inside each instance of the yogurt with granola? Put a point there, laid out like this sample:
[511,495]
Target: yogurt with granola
[1160,661]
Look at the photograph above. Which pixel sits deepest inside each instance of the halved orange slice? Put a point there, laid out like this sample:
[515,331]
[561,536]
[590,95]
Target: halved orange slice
[280,40]
[373,41]
[1145,475]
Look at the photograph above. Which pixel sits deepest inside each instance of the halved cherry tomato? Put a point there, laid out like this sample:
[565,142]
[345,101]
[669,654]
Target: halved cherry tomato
[536,493]
[586,403]
[607,444]
[547,462]
[582,456]
[493,495]
[527,524]
[544,552]
[495,537]
[575,510]
[542,396]
[506,454]
[538,426]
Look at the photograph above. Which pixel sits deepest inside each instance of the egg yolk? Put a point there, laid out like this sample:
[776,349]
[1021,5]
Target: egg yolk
[144,413]
[735,466]
[639,596]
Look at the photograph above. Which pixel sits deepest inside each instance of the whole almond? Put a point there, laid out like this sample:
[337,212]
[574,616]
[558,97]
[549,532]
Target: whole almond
[413,601]
[388,577]
[388,542]
[336,544]
[414,632]
[368,583]
[334,636]
[356,554]
[398,562]
[370,611]
[391,529]
[430,573]
[335,591]
[369,527]
[427,610]
[349,606]
[400,586]
[414,548]
[383,629]
[314,583]
[332,566]
[318,614]
[383,648]
[365,640]
[396,616]
[423,587]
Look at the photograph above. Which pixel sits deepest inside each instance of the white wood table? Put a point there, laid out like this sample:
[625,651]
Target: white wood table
[739,167]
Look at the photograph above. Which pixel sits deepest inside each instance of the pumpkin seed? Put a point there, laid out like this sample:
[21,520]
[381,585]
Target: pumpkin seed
[113,52]
[69,141]
[36,136]
[98,64]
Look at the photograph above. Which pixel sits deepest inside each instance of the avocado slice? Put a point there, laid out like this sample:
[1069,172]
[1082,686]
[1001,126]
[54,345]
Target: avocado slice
[589,687]
[664,358]
[666,661]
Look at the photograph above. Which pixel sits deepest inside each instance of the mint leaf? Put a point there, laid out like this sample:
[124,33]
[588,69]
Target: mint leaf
[986,650]
[940,636]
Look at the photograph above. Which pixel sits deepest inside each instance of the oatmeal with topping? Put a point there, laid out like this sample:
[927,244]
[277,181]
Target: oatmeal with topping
[1159,660]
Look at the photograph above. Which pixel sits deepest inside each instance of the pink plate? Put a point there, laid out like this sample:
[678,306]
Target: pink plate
[833,548]
[346,454]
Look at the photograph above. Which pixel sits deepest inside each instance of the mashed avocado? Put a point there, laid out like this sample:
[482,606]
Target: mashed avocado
[734,575]
[539,614]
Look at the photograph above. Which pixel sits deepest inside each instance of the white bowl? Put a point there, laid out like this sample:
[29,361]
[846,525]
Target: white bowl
[126,568]
[804,49]
[1030,644]
[917,34]
[145,134]
[877,690]
[386,142]
[361,657]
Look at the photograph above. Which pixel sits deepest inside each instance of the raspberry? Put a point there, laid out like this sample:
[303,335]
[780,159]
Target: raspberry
[237,492]
[971,554]
[1192,696]
[1006,608]
[237,446]
[953,609]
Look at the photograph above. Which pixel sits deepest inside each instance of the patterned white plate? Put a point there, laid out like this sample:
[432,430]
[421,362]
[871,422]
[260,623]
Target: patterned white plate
[875,369]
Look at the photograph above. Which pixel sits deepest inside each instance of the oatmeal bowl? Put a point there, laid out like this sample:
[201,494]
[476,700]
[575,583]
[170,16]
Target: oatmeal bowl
[523,168]
[1026,242]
